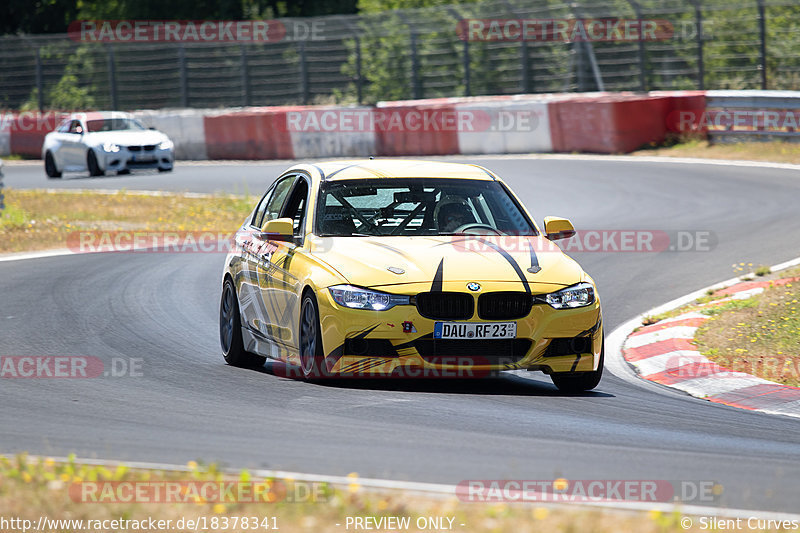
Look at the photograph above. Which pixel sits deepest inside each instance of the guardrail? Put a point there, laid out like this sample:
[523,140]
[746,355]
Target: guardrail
[736,116]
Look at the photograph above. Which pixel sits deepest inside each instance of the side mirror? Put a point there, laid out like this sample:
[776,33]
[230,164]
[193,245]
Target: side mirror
[558,228]
[279,229]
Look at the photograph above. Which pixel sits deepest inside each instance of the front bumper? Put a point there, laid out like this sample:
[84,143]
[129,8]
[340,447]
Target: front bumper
[364,343]
[127,159]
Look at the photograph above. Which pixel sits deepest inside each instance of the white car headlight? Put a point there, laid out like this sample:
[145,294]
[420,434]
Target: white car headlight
[110,147]
[579,295]
[358,298]
[165,145]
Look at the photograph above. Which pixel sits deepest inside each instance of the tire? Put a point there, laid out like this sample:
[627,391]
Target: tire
[230,331]
[164,169]
[91,163]
[312,355]
[580,381]
[123,172]
[50,166]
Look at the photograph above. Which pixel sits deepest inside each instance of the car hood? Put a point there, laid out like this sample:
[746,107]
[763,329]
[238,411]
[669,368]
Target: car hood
[125,138]
[365,261]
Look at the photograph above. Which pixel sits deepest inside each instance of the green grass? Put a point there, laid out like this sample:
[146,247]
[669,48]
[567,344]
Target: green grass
[733,305]
[759,335]
[40,220]
[698,304]
[775,151]
[34,487]
[13,217]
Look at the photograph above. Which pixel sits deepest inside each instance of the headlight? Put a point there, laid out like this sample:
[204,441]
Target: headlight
[165,145]
[579,295]
[110,147]
[358,298]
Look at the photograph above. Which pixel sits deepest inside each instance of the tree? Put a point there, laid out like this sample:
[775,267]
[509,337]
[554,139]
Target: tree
[54,16]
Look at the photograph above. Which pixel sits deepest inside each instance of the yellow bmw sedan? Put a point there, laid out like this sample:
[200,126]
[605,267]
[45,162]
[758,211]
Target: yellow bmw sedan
[409,269]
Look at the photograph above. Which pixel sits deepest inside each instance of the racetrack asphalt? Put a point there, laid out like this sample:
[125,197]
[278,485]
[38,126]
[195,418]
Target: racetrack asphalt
[187,404]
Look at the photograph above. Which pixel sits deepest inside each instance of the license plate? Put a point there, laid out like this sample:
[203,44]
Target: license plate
[474,330]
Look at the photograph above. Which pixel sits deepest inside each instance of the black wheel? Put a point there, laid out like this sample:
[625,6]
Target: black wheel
[123,172]
[50,166]
[91,163]
[230,331]
[312,356]
[580,381]
[164,169]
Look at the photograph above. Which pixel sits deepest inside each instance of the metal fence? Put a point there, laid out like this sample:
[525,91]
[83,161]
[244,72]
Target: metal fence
[402,54]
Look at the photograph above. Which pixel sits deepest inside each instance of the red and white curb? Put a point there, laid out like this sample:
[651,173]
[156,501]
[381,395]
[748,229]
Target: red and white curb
[663,353]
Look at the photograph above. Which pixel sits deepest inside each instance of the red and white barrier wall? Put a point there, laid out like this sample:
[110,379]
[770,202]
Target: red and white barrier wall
[617,123]
[183,126]
[586,122]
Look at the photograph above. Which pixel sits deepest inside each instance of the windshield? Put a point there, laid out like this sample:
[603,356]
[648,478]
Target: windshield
[425,206]
[114,124]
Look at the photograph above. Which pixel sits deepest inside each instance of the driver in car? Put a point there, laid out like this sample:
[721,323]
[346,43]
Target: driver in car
[452,215]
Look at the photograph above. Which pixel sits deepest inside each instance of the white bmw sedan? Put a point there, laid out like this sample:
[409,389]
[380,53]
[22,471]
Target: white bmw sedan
[100,142]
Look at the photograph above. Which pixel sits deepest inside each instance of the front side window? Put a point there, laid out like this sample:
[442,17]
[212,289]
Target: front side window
[258,214]
[276,201]
[418,206]
[75,127]
[296,207]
